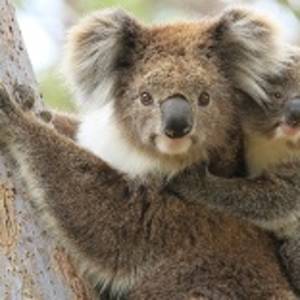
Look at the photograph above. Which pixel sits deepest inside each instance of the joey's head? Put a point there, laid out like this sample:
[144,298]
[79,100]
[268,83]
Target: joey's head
[279,121]
[160,98]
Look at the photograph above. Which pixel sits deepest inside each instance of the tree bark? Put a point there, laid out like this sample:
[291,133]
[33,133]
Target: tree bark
[31,265]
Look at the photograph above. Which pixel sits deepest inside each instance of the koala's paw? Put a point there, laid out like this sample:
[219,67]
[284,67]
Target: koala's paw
[290,255]
[7,106]
[24,96]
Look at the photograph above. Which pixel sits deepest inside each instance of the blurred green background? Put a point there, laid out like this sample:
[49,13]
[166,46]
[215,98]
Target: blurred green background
[44,24]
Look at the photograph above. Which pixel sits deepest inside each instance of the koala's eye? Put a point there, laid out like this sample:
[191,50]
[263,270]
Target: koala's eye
[146,98]
[277,95]
[204,99]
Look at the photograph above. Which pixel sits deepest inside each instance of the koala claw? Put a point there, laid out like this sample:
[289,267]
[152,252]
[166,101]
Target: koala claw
[24,96]
[6,104]
[45,115]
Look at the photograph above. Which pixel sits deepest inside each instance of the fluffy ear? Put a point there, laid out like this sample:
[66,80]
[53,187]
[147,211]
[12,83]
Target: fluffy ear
[99,46]
[252,50]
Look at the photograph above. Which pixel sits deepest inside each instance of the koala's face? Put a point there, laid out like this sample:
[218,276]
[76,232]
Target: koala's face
[171,87]
[175,100]
[280,120]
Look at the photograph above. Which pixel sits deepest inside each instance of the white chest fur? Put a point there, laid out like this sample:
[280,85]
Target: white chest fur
[99,133]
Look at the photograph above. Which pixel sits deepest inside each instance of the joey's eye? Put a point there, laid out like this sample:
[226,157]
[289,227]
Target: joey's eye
[204,99]
[146,98]
[277,95]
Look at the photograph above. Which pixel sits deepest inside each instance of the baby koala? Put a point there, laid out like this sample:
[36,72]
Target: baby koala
[269,197]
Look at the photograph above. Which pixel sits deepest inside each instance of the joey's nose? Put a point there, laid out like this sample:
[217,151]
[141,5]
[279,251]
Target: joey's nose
[177,117]
[292,112]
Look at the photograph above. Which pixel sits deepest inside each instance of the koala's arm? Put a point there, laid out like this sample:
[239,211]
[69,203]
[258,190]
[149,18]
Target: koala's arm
[269,201]
[86,196]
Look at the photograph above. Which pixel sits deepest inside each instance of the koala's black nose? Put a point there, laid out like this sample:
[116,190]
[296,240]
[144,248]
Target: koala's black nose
[177,117]
[292,112]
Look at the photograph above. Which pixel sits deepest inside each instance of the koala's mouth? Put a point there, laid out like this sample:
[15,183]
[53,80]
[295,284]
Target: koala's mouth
[287,131]
[171,146]
[289,126]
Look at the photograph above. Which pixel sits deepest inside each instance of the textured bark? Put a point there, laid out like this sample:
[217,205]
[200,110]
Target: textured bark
[31,265]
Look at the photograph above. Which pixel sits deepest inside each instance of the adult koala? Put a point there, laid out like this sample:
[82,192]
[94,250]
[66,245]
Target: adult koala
[156,100]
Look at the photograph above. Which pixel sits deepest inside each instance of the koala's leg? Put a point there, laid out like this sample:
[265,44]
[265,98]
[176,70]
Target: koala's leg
[290,254]
[271,201]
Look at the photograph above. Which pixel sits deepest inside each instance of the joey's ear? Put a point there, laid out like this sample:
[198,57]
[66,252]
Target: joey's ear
[251,49]
[99,46]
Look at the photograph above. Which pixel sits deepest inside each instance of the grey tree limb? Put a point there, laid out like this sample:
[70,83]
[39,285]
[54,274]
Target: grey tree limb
[31,265]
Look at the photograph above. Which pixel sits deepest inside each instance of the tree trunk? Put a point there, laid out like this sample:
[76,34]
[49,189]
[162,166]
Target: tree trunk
[31,266]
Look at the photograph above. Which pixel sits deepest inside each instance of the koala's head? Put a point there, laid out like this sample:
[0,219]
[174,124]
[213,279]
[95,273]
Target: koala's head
[166,93]
[280,120]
